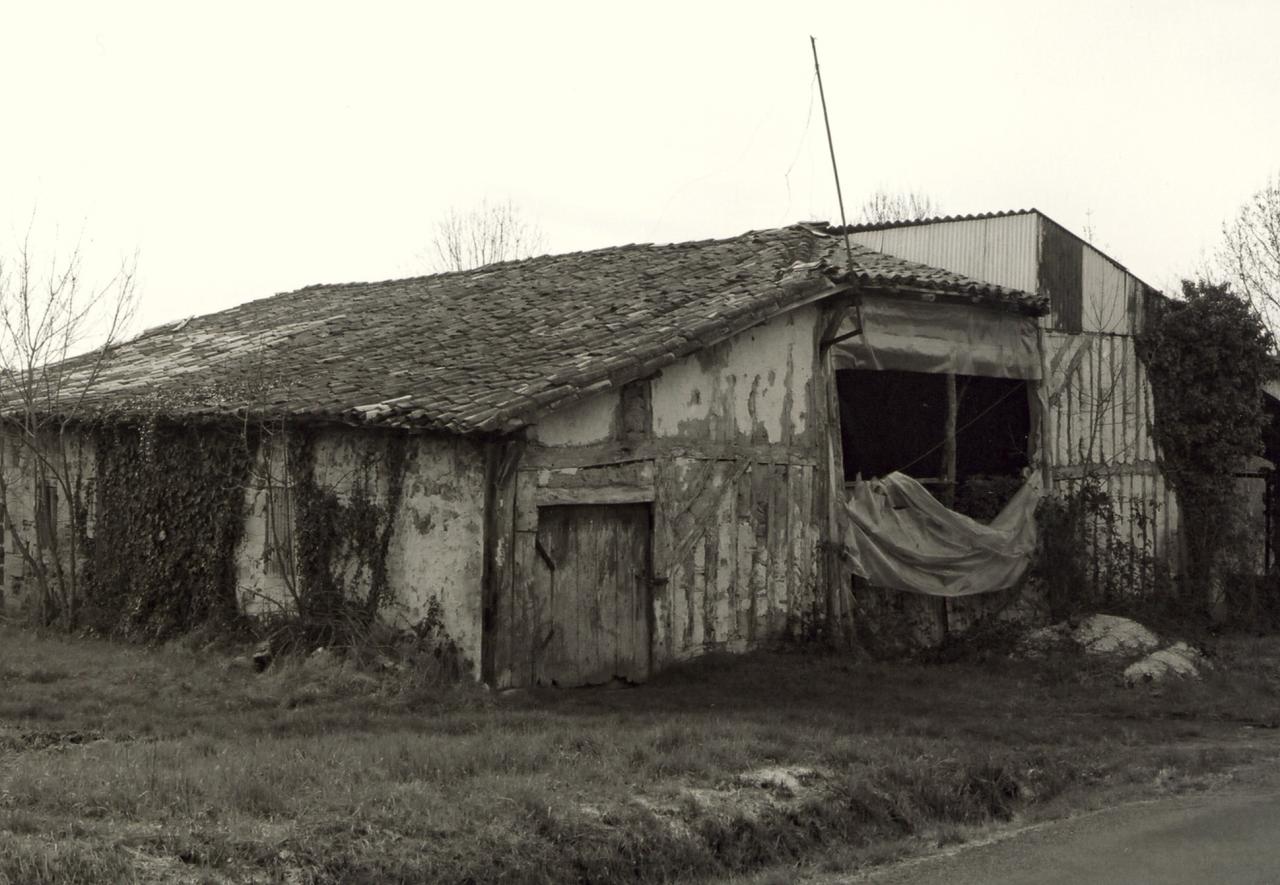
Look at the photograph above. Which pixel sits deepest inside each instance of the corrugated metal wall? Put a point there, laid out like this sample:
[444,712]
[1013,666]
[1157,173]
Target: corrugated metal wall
[1100,398]
[1112,301]
[1100,416]
[1000,250]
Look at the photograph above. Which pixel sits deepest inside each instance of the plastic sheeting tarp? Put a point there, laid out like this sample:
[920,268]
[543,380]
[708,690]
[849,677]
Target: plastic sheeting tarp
[901,537]
[923,336]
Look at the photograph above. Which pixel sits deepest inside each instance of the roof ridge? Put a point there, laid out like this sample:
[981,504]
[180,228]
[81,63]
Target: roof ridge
[933,219]
[548,256]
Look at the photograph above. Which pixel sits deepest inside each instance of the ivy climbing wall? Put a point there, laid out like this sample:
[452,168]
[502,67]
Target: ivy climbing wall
[180,525]
[387,520]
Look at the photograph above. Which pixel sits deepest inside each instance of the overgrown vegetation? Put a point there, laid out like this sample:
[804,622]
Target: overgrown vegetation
[169,512]
[163,508]
[119,763]
[1087,556]
[338,580]
[1208,356]
[56,331]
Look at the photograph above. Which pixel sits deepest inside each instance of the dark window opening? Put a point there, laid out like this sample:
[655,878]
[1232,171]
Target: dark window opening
[46,516]
[637,410]
[897,421]
[278,555]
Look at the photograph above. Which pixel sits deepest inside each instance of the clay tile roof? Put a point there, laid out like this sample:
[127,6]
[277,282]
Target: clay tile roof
[481,351]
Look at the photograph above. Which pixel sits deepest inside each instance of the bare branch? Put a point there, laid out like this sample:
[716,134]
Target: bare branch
[1250,253]
[48,315]
[490,233]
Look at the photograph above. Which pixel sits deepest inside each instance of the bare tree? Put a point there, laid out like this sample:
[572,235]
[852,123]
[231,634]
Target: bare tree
[487,234]
[1250,253]
[885,208]
[48,317]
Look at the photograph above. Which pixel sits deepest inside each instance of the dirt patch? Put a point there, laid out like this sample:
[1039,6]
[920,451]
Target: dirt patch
[20,740]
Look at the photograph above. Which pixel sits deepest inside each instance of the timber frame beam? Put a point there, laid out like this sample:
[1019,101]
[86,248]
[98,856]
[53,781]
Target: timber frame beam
[604,454]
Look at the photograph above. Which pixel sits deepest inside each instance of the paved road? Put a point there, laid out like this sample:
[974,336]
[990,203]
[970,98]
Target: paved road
[1229,837]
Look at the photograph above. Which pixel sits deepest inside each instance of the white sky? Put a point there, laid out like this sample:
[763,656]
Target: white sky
[247,149]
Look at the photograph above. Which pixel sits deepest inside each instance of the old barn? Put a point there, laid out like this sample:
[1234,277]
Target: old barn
[580,467]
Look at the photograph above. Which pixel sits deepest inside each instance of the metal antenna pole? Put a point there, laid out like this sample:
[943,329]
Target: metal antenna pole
[848,250]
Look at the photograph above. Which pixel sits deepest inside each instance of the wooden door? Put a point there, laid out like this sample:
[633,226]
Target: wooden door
[593,580]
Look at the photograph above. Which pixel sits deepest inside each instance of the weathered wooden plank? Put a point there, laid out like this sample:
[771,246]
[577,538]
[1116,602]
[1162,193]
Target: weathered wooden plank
[594,495]
[790,606]
[661,449]
[630,473]
[663,565]
[800,584]
[837,586]
[687,478]
[615,600]
[711,636]
[779,558]
[759,586]
[635,609]
[526,507]
[744,545]
[704,503]
[597,582]
[502,462]
[695,626]
[499,652]
[541,609]
[726,528]
[525,619]
[692,478]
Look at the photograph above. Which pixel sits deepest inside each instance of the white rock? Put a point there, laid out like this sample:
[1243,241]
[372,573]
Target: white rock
[1179,659]
[1111,635]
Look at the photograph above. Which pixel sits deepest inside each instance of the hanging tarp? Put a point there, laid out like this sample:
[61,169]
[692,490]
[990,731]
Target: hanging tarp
[926,336]
[901,537]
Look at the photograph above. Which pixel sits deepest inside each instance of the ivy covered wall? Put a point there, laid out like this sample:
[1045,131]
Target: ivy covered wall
[185,524]
[388,520]
[166,521]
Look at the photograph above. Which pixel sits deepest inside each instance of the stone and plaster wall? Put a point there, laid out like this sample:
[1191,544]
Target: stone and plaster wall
[435,555]
[434,558]
[75,455]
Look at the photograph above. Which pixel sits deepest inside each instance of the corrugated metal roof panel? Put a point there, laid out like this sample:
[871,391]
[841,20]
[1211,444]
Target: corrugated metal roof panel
[1000,249]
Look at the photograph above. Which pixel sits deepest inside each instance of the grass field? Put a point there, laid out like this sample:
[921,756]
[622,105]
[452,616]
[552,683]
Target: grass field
[119,763]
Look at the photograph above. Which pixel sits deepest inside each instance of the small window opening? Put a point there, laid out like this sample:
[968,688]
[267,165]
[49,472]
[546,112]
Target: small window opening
[892,420]
[46,516]
[637,411]
[278,555]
